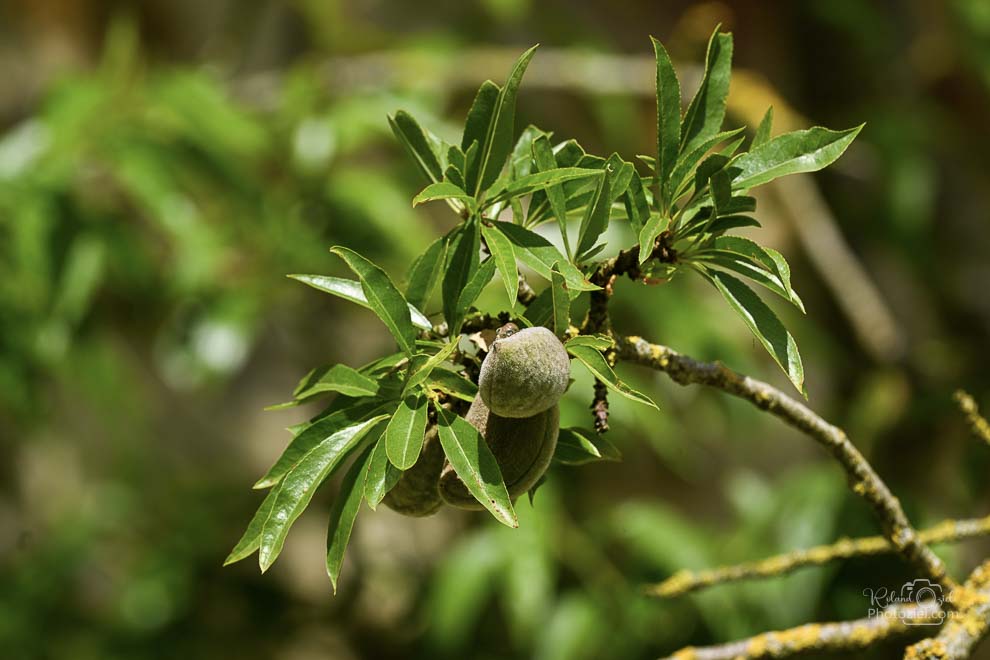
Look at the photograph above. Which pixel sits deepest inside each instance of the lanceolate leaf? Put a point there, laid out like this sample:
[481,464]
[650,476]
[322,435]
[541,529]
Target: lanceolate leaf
[597,342]
[343,379]
[637,206]
[462,262]
[801,151]
[561,303]
[763,323]
[579,446]
[648,236]
[504,256]
[763,130]
[452,384]
[251,540]
[706,112]
[443,190]
[689,160]
[382,475]
[413,138]
[383,297]
[668,113]
[423,372]
[343,512]
[300,483]
[768,258]
[545,179]
[595,220]
[474,463]
[352,290]
[405,432]
[747,267]
[596,364]
[479,119]
[540,255]
[425,273]
[317,432]
[498,143]
[472,290]
[545,161]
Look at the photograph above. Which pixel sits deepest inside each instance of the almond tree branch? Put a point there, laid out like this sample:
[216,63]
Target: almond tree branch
[683,582]
[977,422]
[897,621]
[966,627]
[864,480]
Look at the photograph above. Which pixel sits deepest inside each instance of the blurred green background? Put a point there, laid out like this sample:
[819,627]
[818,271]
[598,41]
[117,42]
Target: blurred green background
[163,165]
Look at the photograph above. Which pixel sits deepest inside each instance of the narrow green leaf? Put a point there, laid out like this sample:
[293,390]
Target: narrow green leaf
[596,364]
[648,236]
[544,179]
[419,375]
[595,220]
[408,132]
[479,119]
[443,190]
[320,431]
[546,162]
[462,262]
[540,255]
[706,112]
[561,303]
[300,483]
[770,259]
[251,540]
[425,274]
[343,379]
[763,130]
[689,160]
[450,383]
[343,511]
[597,342]
[352,290]
[477,127]
[747,267]
[475,464]
[637,206]
[763,323]
[801,151]
[504,256]
[577,446]
[668,115]
[473,289]
[498,142]
[381,477]
[383,297]
[405,432]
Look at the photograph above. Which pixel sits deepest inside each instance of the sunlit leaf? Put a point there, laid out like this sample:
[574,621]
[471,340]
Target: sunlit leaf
[540,255]
[475,464]
[763,130]
[763,323]
[577,446]
[413,138]
[596,364]
[668,114]
[351,290]
[504,256]
[406,430]
[300,483]
[425,274]
[801,151]
[343,511]
[420,374]
[705,114]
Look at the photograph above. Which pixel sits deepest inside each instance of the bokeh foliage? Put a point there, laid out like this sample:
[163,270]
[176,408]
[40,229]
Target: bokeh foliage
[152,195]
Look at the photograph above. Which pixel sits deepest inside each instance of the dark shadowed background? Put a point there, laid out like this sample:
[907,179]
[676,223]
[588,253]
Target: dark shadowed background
[163,165]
